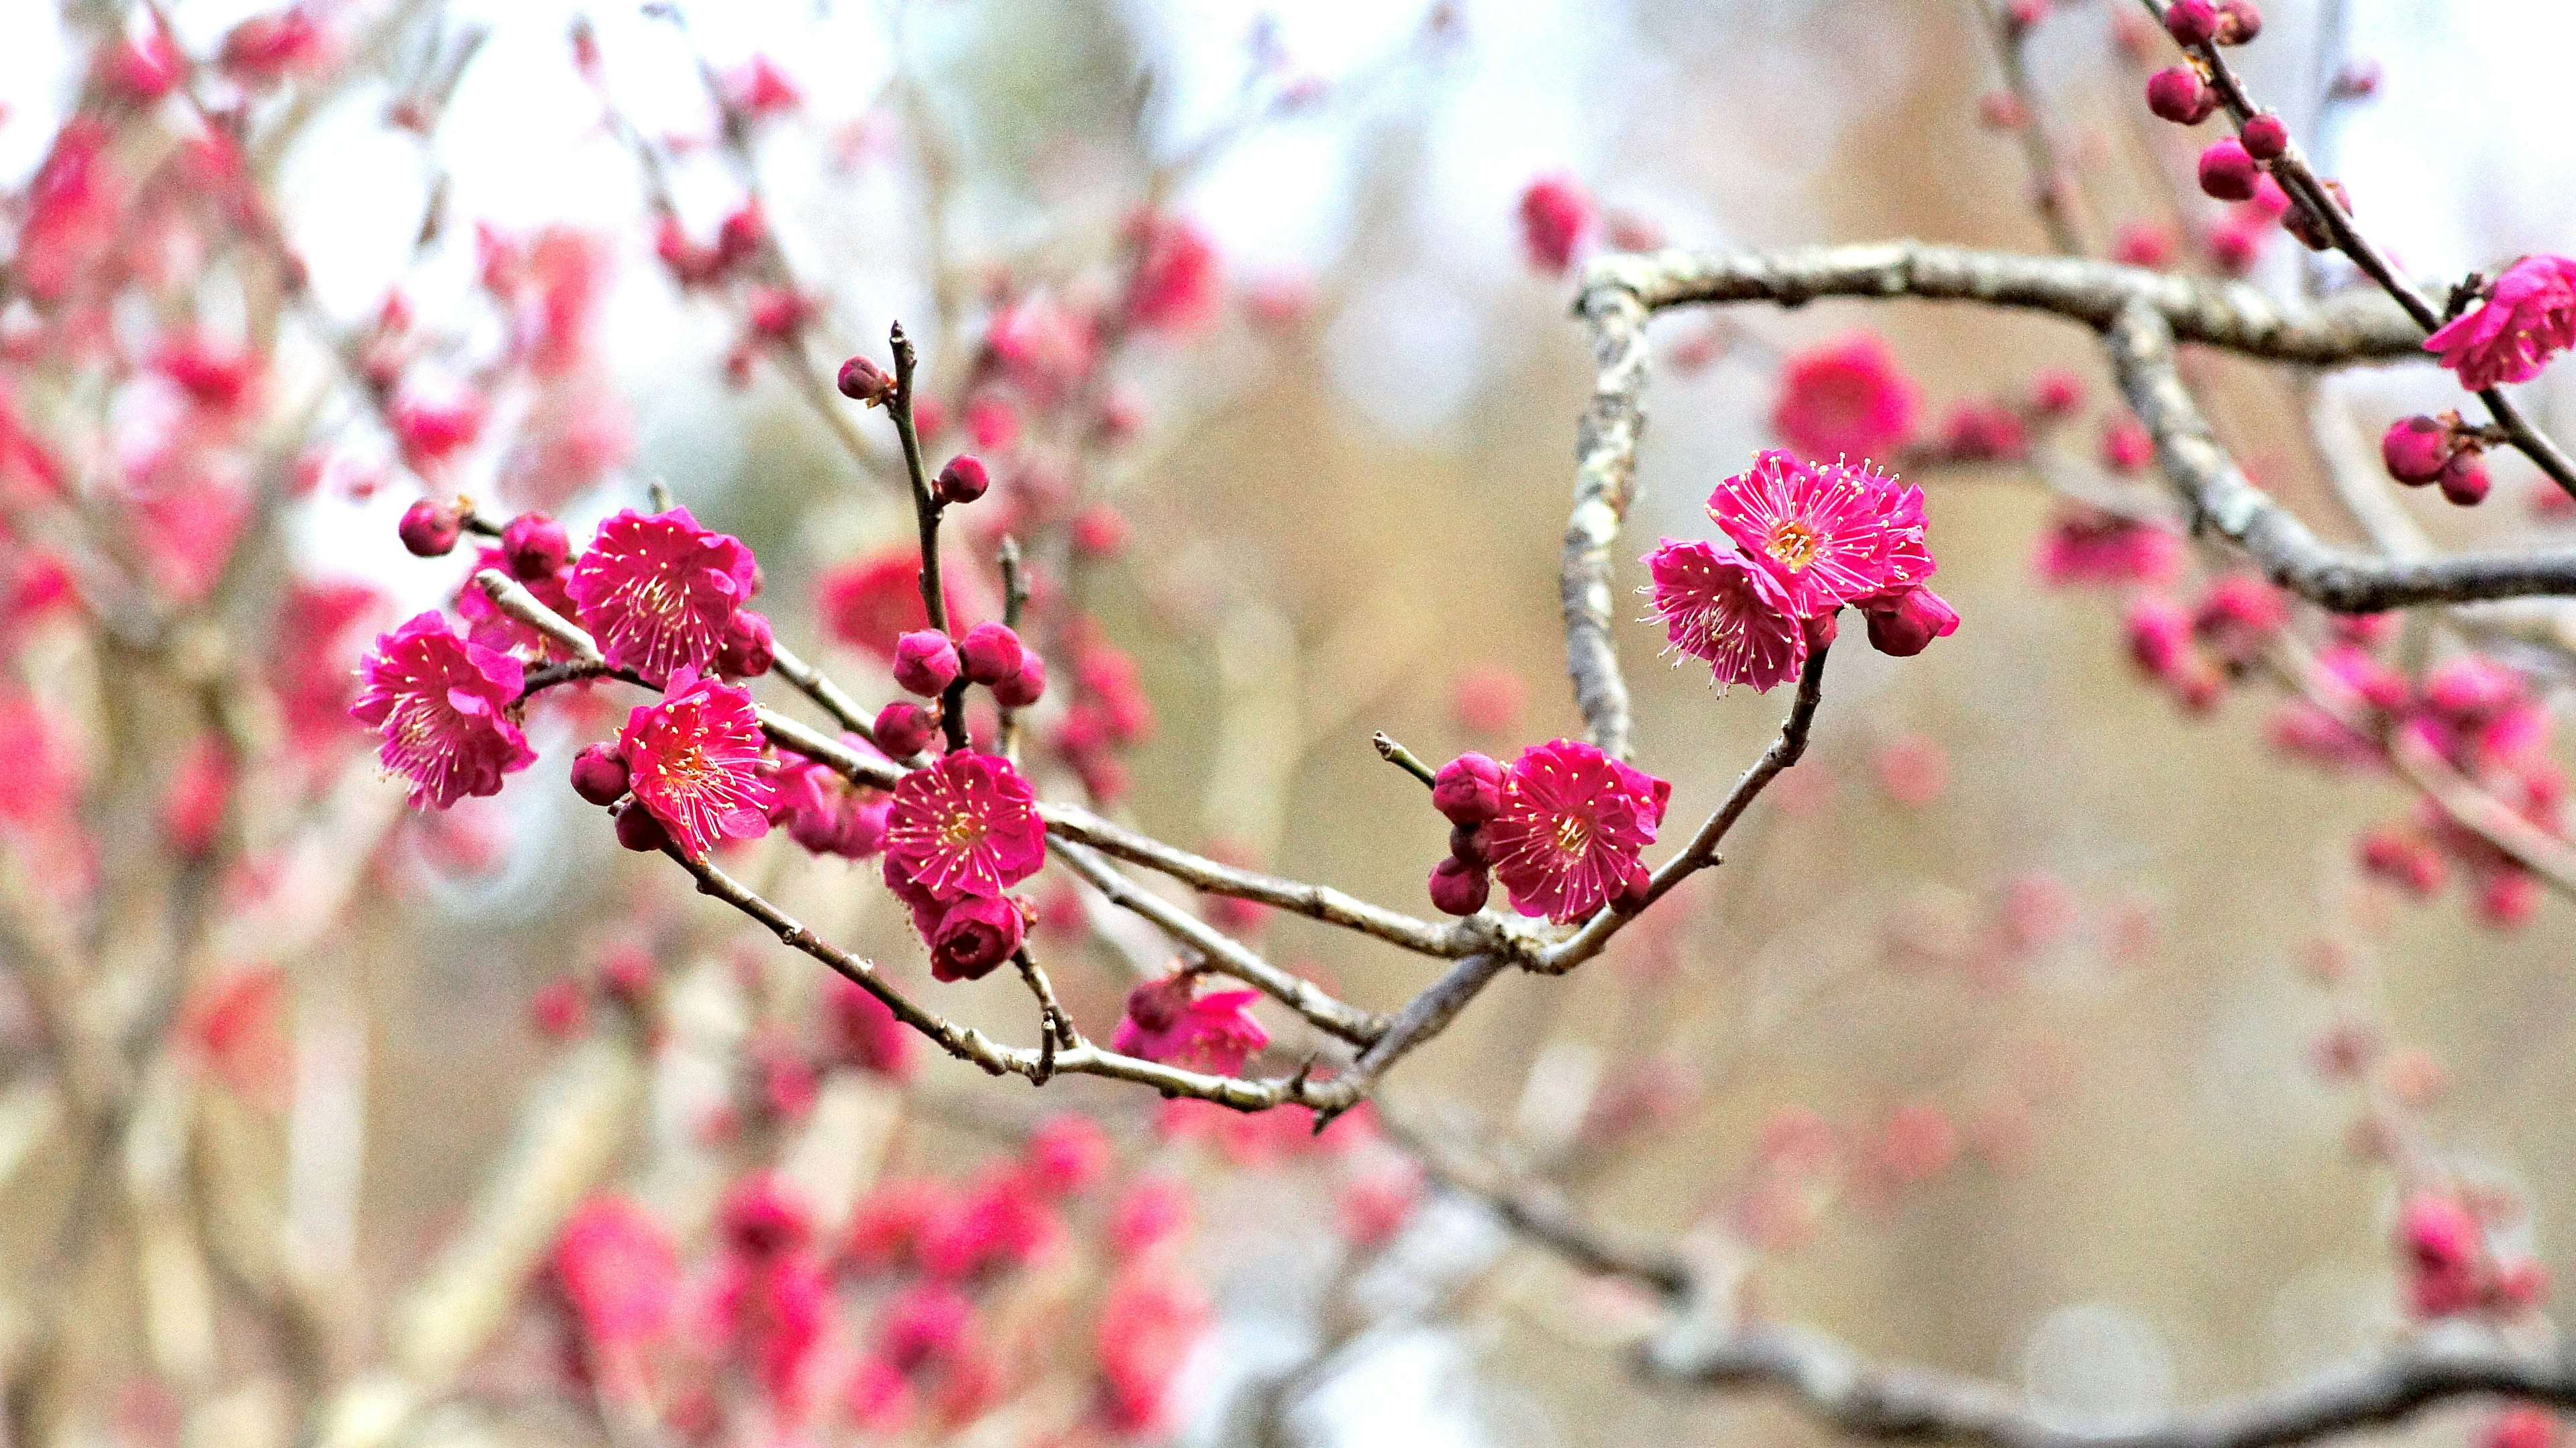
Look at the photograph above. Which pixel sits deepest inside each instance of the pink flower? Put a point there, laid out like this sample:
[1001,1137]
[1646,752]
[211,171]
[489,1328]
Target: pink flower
[825,812]
[1845,398]
[2086,545]
[1554,215]
[2529,317]
[871,601]
[309,668]
[487,625]
[1175,287]
[1727,611]
[974,935]
[1149,1322]
[1156,1210]
[1067,1155]
[441,704]
[694,760]
[658,591]
[1166,1022]
[864,1032]
[1831,535]
[619,1274]
[999,1222]
[965,826]
[2445,1255]
[1572,825]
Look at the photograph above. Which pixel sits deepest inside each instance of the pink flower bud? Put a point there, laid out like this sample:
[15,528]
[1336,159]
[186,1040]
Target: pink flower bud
[2192,22]
[2056,393]
[989,654]
[975,935]
[1911,623]
[430,529]
[862,380]
[2226,172]
[925,663]
[2178,94]
[1459,888]
[1467,843]
[599,774]
[2302,223]
[637,830]
[535,547]
[2265,137]
[748,647]
[2238,21]
[1468,789]
[1099,532]
[2464,478]
[2415,449]
[2126,447]
[963,480]
[1025,686]
[904,728]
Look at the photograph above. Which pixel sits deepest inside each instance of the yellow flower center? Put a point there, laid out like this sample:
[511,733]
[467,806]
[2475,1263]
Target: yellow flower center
[1794,543]
[962,830]
[1573,836]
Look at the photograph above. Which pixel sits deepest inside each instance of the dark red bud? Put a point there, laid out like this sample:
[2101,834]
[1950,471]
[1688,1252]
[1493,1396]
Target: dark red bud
[534,546]
[925,663]
[1467,843]
[748,647]
[2265,137]
[2464,478]
[989,654]
[599,774]
[430,529]
[2238,22]
[864,381]
[1024,687]
[2192,22]
[2415,449]
[2178,94]
[637,830]
[1458,888]
[1468,789]
[963,480]
[2226,172]
[904,728]
[2302,223]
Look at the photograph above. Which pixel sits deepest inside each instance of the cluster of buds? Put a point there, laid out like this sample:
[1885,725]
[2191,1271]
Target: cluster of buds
[2194,652]
[2452,1269]
[2420,451]
[1468,791]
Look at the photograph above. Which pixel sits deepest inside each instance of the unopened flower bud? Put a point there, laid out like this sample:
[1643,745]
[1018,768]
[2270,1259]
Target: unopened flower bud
[2238,22]
[963,480]
[748,647]
[637,830]
[1467,843]
[989,653]
[2415,449]
[430,529]
[534,546]
[2178,94]
[1025,686]
[2464,478]
[599,774]
[864,381]
[904,729]
[2192,22]
[925,663]
[2302,223]
[2265,137]
[1459,888]
[1910,625]
[2226,172]
[1468,789]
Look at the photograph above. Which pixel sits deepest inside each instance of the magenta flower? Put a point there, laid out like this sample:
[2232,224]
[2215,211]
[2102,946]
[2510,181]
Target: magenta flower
[1727,611]
[487,625]
[1572,825]
[2529,317]
[1832,534]
[825,812]
[965,826]
[1166,1022]
[659,592]
[1845,398]
[694,760]
[442,704]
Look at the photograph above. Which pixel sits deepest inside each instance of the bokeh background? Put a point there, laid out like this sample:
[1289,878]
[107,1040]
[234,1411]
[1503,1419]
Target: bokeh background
[2039,946]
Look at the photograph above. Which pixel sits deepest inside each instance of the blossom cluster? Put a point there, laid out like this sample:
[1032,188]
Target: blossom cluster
[1562,826]
[1800,542]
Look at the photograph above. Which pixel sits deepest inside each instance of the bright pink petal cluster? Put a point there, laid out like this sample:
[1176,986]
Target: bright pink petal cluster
[1801,542]
[659,592]
[695,761]
[1167,1022]
[964,827]
[1846,398]
[2529,317]
[1572,826]
[442,705]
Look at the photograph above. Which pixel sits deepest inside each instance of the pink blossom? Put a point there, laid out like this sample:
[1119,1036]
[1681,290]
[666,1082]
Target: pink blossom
[1831,535]
[966,825]
[1573,823]
[1487,700]
[487,625]
[873,600]
[864,1031]
[71,211]
[442,705]
[309,668]
[1067,1155]
[1044,345]
[1727,611]
[997,1223]
[760,88]
[1149,1322]
[2088,546]
[1175,287]
[1167,1022]
[2528,317]
[822,810]
[618,1272]
[1155,1211]
[773,1311]
[432,430]
[2444,1251]
[659,592]
[1554,214]
[926,1325]
[694,760]
[2525,1425]
[1845,398]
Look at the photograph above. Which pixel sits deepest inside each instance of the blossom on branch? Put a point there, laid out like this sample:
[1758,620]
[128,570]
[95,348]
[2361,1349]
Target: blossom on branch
[694,760]
[965,826]
[659,592]
[1846,398]
[1166,1022]
[1727,611]
[1572,825]
[1831,534]
[2528,317]
[441,705]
